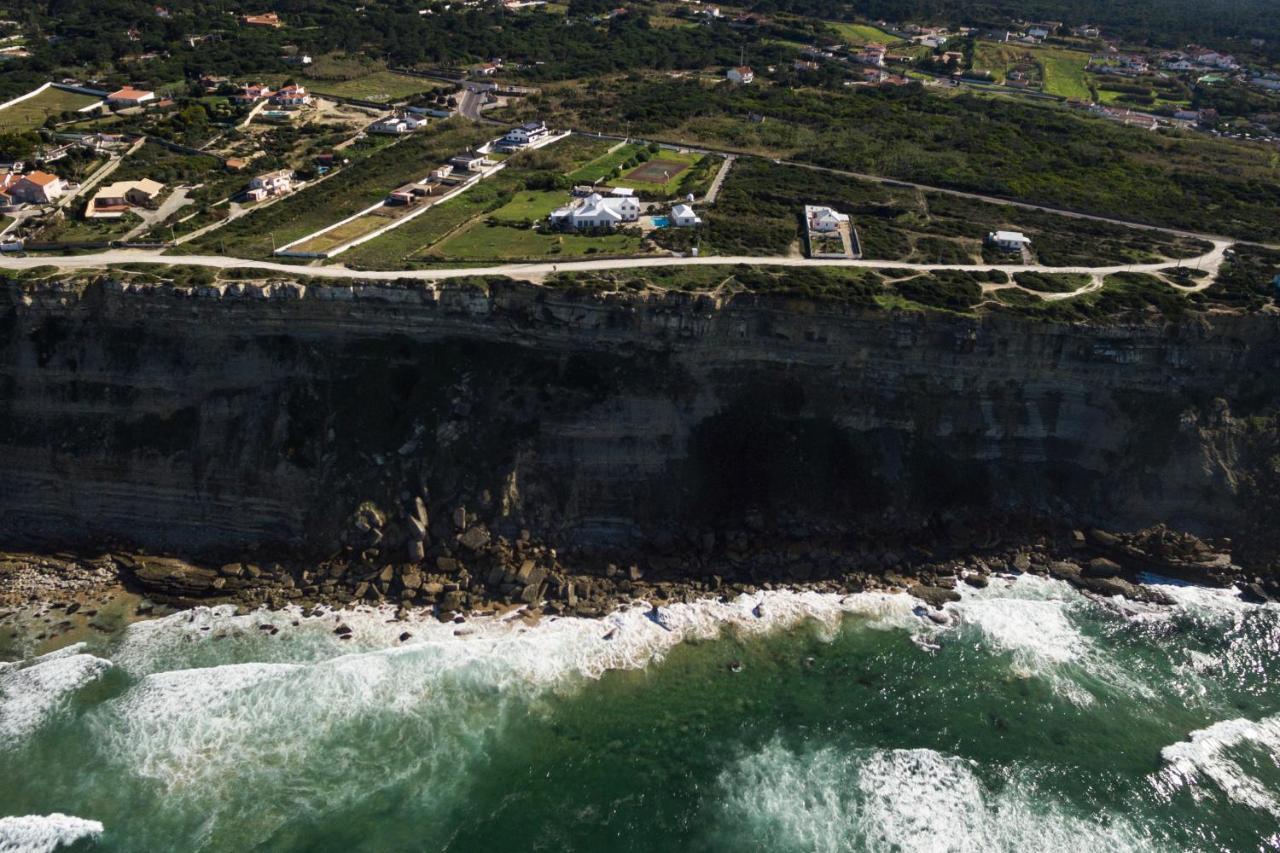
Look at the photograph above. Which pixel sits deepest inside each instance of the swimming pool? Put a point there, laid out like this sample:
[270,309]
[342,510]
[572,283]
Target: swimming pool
[660,221]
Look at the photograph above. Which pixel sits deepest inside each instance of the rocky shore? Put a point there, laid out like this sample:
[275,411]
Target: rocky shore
[477,573]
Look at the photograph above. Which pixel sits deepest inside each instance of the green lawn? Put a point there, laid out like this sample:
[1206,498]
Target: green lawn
[860,34]
[501,243]
[688,158]
[529,206]
[32,112]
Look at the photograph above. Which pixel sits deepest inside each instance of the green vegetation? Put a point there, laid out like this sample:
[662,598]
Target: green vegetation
[380,86]
[1123,297]
[33,112]
[997,147]
[607,166]
[344,233]
[1247,279]
[1051,282]
[527,207]
[1059,71]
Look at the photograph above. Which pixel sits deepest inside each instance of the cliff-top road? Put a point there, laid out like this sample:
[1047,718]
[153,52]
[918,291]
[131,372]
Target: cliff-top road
[1208,262]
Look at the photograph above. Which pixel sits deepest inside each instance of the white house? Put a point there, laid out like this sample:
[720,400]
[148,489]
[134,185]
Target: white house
[442,172]
[682,216]
[1008,241]
[291,97]
[824,219]
[469,161]
[530,131]
[395,125]
[740,75]
[274,183]
[130,97]
[596,211]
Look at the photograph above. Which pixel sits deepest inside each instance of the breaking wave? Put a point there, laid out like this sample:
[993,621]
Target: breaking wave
[1208,754]
[44,833]
[915,800]
[35,691]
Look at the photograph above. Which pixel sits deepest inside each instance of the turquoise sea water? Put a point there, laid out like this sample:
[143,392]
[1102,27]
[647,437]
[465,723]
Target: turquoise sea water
[1036,720]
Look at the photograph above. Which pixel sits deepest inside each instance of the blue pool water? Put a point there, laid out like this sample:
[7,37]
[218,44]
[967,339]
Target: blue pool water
[660,221]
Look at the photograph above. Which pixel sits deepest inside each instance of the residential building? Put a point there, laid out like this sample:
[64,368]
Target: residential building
[596,211]
[130,97]
[468,161]
[37,188]
[441,173]
[113,200]
[266,19]
[682,215]
[741,75]
[1008,241]
[871,54]
[270,184]
[291,97]
[251,94]
[530,131]
[824,219]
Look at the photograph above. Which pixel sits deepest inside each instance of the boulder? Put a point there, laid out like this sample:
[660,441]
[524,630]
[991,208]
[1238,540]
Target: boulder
[934,596]
[474,538]
[411,580]
[1101,567]
[417,551]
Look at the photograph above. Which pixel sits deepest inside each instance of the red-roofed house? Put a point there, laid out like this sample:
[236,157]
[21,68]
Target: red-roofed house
[130,97]
[37,188]
[291,97]
[252,94]
[740,75]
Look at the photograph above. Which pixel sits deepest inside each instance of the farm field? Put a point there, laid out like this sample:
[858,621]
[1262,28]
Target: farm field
[501,243]
[344,233]
[664,173]
[602,167]
[32,112]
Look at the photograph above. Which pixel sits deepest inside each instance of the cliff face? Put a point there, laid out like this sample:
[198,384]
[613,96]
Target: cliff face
[225,420]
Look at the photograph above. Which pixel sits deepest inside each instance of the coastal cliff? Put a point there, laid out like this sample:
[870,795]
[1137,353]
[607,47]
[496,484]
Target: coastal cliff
[422,422]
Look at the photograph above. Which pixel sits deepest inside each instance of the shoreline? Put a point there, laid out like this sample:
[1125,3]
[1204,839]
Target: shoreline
[65,597]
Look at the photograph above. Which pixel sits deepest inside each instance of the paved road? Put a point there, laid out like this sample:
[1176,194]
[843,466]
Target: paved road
[536,271]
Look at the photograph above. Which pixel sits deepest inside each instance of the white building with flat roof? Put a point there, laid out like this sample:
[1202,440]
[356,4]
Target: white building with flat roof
[1009,241]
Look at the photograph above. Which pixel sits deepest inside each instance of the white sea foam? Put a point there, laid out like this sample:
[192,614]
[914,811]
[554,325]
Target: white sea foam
[442,693]
[44,833]
[32,692]
[1205,755]
[897,800]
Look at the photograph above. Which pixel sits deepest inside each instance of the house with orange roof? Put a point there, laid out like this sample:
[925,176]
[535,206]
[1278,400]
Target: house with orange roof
[130,97]
[37,188]
[266,19]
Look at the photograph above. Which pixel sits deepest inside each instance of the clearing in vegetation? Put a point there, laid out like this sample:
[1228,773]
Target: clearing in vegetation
[32,113]
[1060,72]
[656,171]
[860,34]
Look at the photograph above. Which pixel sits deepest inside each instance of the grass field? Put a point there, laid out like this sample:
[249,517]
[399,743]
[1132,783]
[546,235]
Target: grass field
[1062,72]
[675,164]
[382,86]
[501,243]
[530,205]
[860,34]
[32,112]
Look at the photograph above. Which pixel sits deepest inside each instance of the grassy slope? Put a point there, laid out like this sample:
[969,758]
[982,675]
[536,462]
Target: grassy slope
[32,112]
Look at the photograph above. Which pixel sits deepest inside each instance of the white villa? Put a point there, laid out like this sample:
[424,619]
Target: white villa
[824,219]
[291,97]
[682,216]
[597,211]
[396,125]
[529,132]
[740,75]
[271,184]
[1008,241]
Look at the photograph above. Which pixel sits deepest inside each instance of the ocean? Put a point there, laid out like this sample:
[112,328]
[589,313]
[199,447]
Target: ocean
[1034,719]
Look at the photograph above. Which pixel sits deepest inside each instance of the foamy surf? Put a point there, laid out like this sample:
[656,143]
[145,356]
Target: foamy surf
[913,800]
[1206,756]
[44,833]
[35,691]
